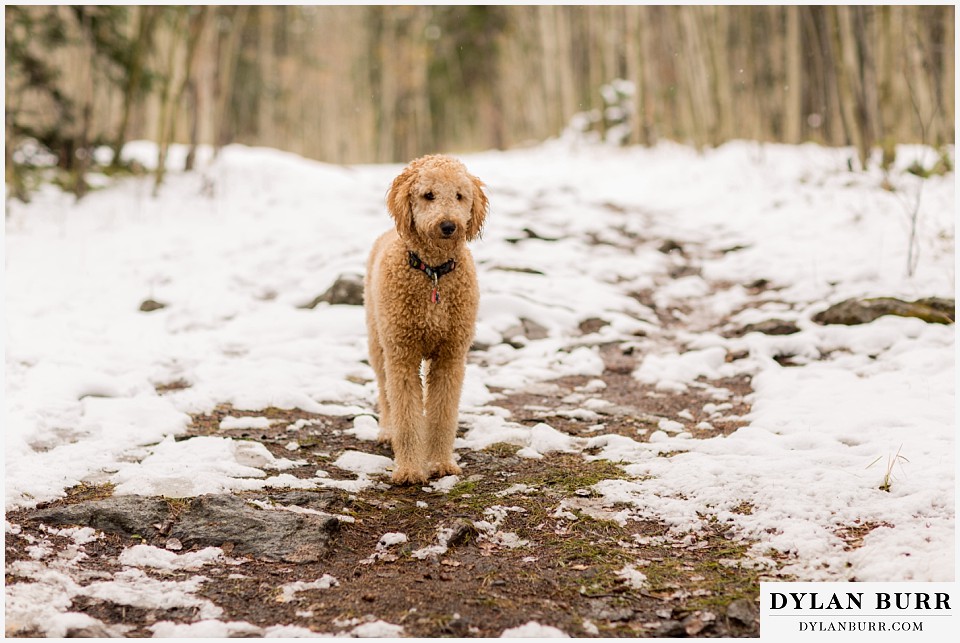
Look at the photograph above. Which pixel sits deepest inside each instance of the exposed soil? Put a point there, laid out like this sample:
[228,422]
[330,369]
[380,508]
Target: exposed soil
[564,575]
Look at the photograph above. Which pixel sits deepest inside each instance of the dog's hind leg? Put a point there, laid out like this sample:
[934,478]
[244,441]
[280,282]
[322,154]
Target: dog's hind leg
[444,383]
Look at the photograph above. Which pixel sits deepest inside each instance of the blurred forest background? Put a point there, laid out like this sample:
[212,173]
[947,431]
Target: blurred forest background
[358,84]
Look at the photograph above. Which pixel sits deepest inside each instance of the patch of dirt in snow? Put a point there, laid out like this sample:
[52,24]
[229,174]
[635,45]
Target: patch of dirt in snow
[527,553]
[628,407]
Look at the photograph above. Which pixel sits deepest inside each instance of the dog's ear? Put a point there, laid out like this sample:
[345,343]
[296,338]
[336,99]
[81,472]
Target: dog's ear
[398,200]
[478,213]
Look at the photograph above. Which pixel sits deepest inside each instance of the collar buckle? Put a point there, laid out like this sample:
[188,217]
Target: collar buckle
[432,272]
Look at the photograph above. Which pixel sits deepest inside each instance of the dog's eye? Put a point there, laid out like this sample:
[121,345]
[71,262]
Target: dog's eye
[459,197]
[428,196]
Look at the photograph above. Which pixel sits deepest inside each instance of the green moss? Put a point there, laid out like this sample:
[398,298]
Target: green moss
[580,549]
[574,473]
[463,488]
[502,449]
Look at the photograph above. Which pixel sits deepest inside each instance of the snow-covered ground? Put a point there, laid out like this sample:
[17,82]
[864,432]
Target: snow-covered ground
[235,250]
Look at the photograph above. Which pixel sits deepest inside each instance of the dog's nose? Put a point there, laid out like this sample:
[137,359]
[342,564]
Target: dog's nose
[448,228]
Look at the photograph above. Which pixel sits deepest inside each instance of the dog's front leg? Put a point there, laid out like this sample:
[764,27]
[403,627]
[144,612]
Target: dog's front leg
[405,393]
[444,383]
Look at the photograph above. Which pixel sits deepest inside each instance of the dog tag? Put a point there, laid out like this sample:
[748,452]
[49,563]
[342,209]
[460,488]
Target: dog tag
[435,295]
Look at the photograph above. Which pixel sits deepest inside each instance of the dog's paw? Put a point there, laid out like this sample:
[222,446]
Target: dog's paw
[405,476]
[385,437]
[445,469]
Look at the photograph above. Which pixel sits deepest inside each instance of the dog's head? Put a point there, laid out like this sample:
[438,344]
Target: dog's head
[437,200]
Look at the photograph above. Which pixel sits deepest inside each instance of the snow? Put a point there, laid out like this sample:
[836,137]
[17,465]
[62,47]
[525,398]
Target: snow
[376,629]
[444,484]
[43,604]
[231,422]
[363,463]
[235,266]
[633,577]
[673,371]
[134,588]
[534,630]
[156,558]
[79,535]
[288,591]
[212,628]
[390,539]
[196,466]
[365,427]
[209,628]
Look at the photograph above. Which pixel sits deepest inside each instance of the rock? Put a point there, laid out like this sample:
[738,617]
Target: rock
[698,622]
[669,245]
[463,533]
[734,248]
[605,611]
[863,311]
[743,611]
[150,305]
[316,500]
[272,535]
[527,328]
[530,234]
[945,306]
[457,626]
[769,327]
[526,271]
[93,631]
[671,629]
[212,521]
[685,270]
[346,290]
[592,325]
[126,515]
[758,284]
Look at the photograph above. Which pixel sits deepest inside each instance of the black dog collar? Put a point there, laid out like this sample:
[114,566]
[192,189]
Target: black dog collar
[433,272]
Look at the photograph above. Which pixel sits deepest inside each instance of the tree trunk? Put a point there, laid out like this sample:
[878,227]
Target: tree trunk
[716,22]
[948,75]
[793,93]
[267,100]
[634,71]
[170,110]
[226,69]
[701,109]
[83,150]
[864,29]
[847,77]
[164,127]
[134,73]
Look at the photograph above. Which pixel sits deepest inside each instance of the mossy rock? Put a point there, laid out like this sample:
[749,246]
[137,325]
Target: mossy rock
[934,310]
[769,327]
[150,305]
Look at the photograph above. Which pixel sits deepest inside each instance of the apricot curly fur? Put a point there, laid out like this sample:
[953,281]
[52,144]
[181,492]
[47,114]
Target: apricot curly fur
[437,207]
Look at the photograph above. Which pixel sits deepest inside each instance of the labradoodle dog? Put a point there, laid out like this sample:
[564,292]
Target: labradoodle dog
[421,297]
